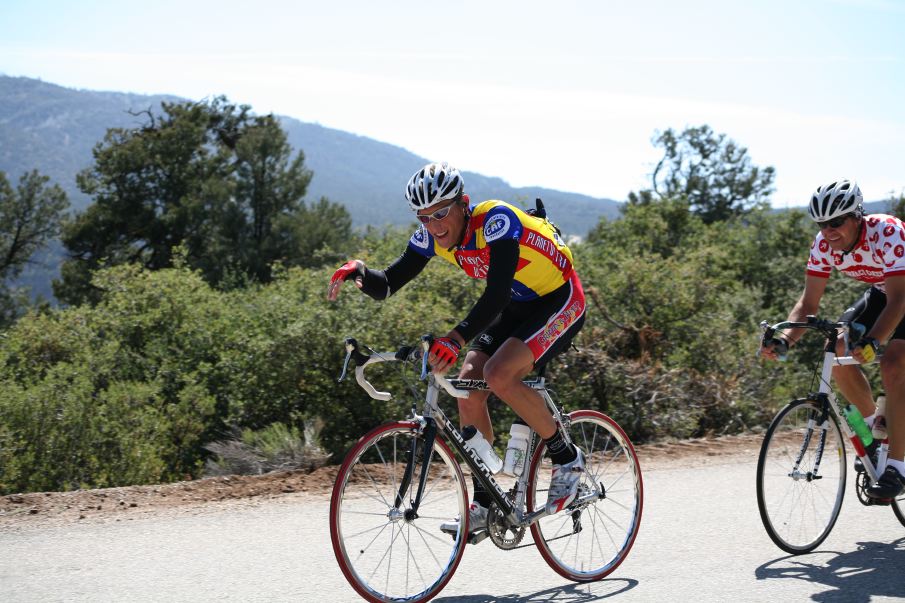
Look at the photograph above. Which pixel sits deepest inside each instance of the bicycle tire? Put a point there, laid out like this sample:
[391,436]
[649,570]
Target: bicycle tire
[613,519]
[799,509]
[388,554]
[898,508]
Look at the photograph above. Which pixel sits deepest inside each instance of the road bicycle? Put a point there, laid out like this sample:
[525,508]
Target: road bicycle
[401,480]
[801,470]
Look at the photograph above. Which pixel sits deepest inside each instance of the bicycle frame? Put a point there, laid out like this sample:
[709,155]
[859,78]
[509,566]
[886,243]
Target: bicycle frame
[825,396]
[433,422]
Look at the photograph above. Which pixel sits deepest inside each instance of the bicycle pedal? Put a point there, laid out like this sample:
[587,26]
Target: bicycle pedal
[476,537]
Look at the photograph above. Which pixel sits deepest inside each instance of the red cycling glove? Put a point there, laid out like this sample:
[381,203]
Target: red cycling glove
[349,270]
[445,349]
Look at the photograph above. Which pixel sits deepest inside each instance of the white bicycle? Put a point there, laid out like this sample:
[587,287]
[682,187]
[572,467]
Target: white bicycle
[801,470]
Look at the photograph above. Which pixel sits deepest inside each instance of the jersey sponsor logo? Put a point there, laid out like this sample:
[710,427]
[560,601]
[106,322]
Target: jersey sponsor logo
[559,325]
[868,275]
[900,251]
[496,227]
[420,238]
[485,339]
[824,246]
[474,263]
[547,248]
[888,231]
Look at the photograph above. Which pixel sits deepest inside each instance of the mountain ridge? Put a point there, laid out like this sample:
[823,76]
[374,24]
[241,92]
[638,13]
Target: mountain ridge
[53,129]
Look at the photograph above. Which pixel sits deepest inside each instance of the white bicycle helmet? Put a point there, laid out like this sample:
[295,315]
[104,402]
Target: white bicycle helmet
[433,184]
[835,199]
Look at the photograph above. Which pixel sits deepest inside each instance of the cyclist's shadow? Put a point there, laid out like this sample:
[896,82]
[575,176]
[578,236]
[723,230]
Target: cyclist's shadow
[875,569]
[570,593]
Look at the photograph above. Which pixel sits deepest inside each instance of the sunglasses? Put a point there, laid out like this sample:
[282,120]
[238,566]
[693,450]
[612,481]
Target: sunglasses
[437,215]
[834,223]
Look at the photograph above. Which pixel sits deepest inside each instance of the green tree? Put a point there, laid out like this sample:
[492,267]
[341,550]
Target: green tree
[895,205]
[30,217]
[711,171]
[206,177]
[649,225]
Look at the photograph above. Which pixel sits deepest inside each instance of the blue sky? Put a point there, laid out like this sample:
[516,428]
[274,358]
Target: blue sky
[565,95]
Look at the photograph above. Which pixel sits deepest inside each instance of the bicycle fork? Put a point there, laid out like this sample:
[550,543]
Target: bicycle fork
[820,422]
[429,432]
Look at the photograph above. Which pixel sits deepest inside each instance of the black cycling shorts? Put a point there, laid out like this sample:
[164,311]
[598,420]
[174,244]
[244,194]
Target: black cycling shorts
[546,324]
[866,310]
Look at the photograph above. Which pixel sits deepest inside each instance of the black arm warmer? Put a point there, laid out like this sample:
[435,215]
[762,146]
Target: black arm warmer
[503,261]
[380,284]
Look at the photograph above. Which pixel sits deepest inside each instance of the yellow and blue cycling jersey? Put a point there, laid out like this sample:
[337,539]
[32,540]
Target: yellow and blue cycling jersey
[544,263]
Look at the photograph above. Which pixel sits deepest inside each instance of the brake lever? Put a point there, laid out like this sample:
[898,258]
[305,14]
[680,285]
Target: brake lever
[351,347]
[426,342]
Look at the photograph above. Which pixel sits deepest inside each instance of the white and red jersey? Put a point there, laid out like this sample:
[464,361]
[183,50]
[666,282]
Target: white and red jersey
[879,253]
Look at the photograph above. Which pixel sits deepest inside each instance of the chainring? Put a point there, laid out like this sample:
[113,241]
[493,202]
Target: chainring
[862,483]
[504,535]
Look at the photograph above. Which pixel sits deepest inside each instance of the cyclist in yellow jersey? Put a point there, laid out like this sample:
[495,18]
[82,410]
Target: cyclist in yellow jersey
[531,308]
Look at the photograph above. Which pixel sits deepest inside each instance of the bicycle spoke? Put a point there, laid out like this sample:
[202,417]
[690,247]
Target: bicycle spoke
[363,532]
[414,561]
[422,533]
[374,513]
[367,473]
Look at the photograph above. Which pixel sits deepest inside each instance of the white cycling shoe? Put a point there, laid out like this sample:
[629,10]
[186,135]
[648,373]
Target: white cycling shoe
[564,484]
[477,521]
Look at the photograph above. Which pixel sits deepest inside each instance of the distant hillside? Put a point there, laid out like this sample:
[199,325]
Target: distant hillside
[53,129]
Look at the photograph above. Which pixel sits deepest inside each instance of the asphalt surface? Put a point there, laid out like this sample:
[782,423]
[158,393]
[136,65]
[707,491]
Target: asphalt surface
[701,539]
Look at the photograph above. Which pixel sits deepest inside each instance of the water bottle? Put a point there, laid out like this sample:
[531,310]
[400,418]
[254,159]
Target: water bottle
[856,421]
[475,441]
[517,450]
[879,428]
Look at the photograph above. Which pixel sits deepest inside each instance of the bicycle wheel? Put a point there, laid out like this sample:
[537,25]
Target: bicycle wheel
[801,476]
[589,539]
[898,507]
[390,553]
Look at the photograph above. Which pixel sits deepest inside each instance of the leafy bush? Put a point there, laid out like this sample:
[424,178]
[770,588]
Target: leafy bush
[140,387]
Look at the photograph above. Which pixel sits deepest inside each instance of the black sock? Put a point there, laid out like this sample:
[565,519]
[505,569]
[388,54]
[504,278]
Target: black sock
[481,495]
[560,451]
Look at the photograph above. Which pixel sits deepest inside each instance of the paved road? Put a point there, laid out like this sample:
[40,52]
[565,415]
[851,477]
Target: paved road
[700,540]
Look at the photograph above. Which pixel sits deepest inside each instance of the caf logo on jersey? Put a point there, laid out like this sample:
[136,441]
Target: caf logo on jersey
[496,227]
[421,238]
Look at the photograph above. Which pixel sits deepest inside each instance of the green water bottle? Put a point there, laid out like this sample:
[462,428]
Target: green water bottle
[856,422]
